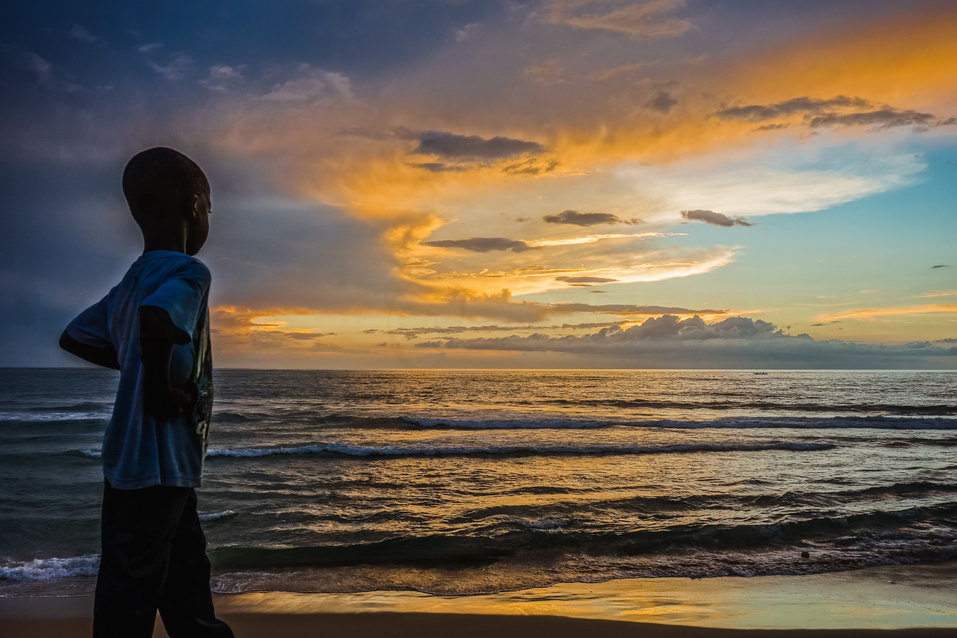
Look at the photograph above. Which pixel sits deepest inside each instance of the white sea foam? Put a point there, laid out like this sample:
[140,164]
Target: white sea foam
[212,516]
[50,568]
[545,523]
[39,417]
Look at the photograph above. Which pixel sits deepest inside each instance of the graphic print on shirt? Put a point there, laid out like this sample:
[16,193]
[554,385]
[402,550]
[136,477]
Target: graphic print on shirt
[203,380]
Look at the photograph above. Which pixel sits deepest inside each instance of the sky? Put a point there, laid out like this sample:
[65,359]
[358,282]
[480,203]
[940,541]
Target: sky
[501,183]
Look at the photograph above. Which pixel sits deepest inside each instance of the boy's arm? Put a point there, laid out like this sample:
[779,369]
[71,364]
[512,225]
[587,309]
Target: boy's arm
[88,336]
[101,356]
[158,335]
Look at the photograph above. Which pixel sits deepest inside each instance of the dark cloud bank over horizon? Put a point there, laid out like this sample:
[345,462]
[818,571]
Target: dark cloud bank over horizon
[737,342]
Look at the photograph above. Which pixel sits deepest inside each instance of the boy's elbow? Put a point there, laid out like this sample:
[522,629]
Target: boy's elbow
[66,342]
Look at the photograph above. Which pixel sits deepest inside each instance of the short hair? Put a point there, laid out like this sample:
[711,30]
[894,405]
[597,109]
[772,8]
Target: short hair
[161,181]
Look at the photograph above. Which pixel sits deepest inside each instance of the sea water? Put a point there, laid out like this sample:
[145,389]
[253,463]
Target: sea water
[461,482]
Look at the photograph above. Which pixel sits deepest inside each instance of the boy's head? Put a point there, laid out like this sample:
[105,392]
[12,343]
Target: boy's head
[169,197]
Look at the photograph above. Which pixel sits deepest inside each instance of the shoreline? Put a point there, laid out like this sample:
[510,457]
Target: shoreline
[913,600]
[426,625]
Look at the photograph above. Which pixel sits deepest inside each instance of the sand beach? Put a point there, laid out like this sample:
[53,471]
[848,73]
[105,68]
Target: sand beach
[896,600]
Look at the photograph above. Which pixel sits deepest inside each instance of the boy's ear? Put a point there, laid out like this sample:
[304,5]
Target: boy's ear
[194,208]
[200,205]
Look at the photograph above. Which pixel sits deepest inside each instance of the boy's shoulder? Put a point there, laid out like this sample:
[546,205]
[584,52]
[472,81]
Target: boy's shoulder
[177,264]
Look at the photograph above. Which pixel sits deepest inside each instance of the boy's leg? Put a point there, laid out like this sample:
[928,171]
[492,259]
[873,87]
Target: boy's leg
[186,604]
[137,529]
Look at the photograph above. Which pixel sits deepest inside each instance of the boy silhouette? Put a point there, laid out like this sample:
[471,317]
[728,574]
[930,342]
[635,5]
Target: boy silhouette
[154,328]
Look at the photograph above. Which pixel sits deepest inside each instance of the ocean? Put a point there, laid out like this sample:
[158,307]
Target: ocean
[464,481]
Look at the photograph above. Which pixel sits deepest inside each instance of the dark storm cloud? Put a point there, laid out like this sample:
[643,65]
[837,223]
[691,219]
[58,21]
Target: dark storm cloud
[733,342]
[662,102]
[586,280]
[762,112]
[470,147]
[713,218]
[482,244]
[587,219]
[84,86]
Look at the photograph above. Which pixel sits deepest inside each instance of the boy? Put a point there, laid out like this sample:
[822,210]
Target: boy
[154,328]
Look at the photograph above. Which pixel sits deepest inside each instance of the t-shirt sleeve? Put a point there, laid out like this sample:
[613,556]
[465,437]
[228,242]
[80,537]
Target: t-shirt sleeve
[91,327]
[183,296]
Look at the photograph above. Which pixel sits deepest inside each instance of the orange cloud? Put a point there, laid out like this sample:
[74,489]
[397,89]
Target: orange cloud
[896,311]
[905,62]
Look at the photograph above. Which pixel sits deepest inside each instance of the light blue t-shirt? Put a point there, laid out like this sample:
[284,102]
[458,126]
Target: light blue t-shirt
[138,451]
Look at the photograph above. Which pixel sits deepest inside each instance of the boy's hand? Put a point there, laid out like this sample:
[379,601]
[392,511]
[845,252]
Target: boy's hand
[167,403]
[161,399]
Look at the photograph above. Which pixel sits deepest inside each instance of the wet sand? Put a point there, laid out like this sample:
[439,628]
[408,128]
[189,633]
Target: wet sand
[424,625]
[906,601]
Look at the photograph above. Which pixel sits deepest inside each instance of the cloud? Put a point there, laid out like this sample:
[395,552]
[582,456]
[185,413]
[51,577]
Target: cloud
[713,218]
[746,187]
[586,280]
[587,219]
[937,293]
[237,329]
[630,309]
[821,113]
[149,46]
[440,167]
[466,32]
[939,266]
[547,73]
[894,311]
[415,333]
[661,102]
[312,85]
[482,244]
[221,76]
[882,118]
[175,69]
[635,19]
[607,73]
[40,69]
[82,34]
[798,105]
[469,147]
[531,166]
[668,342]
[772,127]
